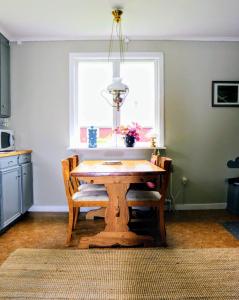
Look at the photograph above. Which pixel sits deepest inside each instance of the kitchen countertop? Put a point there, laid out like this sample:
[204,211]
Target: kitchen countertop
[13,153]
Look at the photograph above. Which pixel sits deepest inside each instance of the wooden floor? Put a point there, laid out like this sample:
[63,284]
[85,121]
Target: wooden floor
[188,229]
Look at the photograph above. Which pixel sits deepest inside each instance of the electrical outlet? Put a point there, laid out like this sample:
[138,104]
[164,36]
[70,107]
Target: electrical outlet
[184,180]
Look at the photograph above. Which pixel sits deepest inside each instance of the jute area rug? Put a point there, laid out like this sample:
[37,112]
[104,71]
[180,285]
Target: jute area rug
[121,274]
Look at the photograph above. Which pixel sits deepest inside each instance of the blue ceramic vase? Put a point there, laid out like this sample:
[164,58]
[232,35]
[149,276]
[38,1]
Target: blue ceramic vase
[92,137]
[129,141]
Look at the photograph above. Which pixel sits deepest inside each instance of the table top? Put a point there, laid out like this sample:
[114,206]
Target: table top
[116,168]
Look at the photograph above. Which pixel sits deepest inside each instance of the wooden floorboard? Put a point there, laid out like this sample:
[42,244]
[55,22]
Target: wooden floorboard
[185,229]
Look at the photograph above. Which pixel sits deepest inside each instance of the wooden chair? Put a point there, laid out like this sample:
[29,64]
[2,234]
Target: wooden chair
[148,186]
[74,161]
[77,199]
[90,215]
[154,198]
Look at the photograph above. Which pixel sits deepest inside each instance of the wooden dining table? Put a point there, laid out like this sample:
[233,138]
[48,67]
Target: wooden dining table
[117,177]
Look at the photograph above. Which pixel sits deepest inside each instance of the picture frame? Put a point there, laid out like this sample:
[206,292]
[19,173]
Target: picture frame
[225,93]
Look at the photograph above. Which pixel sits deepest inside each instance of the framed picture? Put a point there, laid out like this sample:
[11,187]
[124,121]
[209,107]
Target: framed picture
[225,93]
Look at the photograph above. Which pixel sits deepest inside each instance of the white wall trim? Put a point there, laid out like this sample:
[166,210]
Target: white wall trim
[64,208]
[200,206]
[49,208]
[132,38]
[75,58]
[54,208]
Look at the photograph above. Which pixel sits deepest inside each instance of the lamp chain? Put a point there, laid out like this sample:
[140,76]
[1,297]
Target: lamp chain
[111,40]
[118,29]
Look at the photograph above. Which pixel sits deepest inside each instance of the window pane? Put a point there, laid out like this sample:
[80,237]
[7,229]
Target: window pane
[93,77]
[139,105]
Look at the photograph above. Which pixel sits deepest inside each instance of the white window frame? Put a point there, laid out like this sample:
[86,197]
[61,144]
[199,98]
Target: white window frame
[156,57]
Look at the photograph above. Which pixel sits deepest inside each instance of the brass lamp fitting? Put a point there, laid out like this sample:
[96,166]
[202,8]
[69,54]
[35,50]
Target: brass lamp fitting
[117,15]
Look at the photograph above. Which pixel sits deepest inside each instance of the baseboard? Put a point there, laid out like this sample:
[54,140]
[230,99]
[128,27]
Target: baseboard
[200,206]
[54,208]
[64,208]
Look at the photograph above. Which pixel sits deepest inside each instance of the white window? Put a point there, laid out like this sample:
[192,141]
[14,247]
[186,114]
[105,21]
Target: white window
[89,77]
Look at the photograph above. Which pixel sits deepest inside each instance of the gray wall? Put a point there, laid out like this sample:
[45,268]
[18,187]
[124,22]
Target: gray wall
[199,138]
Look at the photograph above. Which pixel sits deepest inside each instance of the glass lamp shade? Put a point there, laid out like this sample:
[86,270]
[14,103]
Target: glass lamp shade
[117,86]
[118,90]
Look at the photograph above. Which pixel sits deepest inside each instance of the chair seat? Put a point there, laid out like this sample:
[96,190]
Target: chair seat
[91,195]
[145,186]
[137,195]
[85,187]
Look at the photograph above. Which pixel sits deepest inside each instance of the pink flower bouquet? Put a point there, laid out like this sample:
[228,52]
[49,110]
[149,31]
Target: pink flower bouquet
[129,131]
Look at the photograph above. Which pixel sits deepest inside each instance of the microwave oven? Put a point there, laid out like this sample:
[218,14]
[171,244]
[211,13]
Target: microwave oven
[7,142]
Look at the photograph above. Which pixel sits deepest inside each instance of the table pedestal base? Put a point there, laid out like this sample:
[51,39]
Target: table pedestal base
[100,213]
[108,239]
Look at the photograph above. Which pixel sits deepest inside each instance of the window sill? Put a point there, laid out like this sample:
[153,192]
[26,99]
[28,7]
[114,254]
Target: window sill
[115,148]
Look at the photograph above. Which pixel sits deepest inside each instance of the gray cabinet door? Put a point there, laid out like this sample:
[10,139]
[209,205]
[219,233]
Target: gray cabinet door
[5,105]
[27,188]
[10,195]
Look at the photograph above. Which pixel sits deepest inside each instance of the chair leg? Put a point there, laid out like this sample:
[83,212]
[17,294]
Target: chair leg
[130,213]
[70,225]
[161,224]
[76,213]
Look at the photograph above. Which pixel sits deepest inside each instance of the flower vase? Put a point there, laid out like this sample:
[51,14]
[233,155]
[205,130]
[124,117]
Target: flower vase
[92,137]
[129,141]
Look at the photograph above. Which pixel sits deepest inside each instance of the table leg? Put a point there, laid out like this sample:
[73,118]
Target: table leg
[116,217]
[117,212]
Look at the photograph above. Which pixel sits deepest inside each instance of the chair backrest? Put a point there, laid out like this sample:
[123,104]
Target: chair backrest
[74,161]
[69,189]
[155,159]
[166,164]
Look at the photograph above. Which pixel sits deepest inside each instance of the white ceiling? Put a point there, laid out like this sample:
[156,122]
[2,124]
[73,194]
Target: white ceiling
[34,20]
